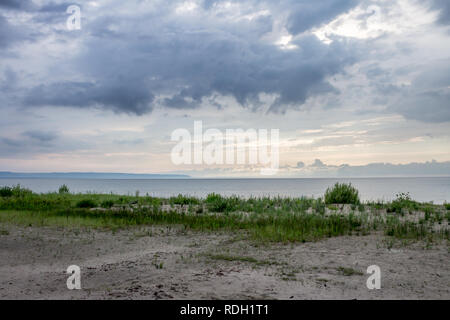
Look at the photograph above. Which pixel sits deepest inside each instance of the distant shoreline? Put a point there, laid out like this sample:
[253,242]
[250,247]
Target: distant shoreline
[138,176]
[89,175]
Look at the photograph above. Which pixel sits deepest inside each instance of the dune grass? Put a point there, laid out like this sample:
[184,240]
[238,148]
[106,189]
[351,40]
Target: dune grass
[342,193]
[50,219]
[263,219]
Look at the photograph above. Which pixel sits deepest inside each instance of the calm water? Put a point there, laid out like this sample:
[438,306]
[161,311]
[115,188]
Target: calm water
[435,189]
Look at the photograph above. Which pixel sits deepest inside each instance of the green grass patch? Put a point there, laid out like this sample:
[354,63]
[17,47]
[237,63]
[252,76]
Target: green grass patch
[402,203]
[226,257]
[50,219]
[86,203]
[342,193]
[349,271]
[262,219]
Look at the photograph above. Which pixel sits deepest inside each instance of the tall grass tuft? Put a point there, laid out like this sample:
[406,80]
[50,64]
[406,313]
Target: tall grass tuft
[218,203]
[402,202]
[86,203]
[63,189]
[342,193]
[6,192]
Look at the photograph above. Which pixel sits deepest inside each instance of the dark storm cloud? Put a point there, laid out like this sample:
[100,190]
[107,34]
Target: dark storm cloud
[8,80]
[302,14]
[49,12]
[189,66]
[444,7]
[10,34]
[41,136]
[131,61]
[17,4]
[56,7]
[41,141]
[306,14]
[428,97]
[29,5]
[428,106]
[52,13]
[28,142]
[131,64]
[124,97]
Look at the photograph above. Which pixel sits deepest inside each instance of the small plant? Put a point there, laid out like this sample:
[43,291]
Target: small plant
[403,196]
[199,209]
[428,213]
[6,192]
[184,200]
[18,191]
[63,189]
[107,204]
[342,193]
[319,206]
[217,203]
[86,203]
[402,202]
[447,206]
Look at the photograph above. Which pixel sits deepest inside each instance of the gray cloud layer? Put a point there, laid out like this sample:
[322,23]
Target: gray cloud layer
[444,10]
[186,60]
[429,168]
[131,63]
[428,97]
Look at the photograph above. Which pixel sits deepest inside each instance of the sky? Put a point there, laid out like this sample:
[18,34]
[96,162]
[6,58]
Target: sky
[348,83]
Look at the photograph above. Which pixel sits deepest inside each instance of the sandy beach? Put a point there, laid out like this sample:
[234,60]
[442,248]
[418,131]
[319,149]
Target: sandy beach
[160,262]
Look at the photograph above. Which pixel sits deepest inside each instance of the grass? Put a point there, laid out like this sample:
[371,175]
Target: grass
[226,257]
[349,271]
[342,193]
[49,219]
[63,189]
[86,203]
[263,219]
[6,192]
[402,203]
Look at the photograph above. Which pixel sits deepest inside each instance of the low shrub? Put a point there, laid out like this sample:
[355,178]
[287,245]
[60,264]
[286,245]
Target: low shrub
[217,203]
[183,200]
[63,189]
[86,203]
[342,193]
[18,191]
[6,192]
[107,204]
[403,201]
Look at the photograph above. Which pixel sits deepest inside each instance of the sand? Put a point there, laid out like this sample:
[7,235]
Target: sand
[171,263]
